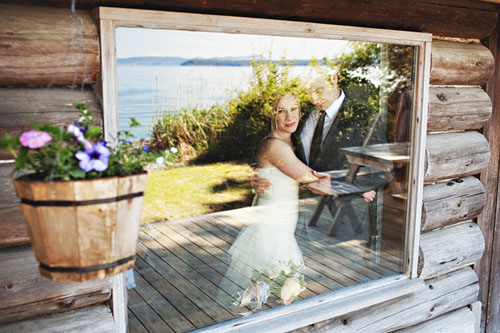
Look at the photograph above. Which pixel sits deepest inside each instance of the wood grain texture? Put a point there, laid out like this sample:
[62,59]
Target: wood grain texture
[457,108]
[453,201]
[493,310]
[455,154]
[84,235]
[456,63]
[25,294]
[87,320]
[42,46]
[455,18]
[449,249]
[21,107]
[461,320]
[441,295]
[488,221]
[12,224]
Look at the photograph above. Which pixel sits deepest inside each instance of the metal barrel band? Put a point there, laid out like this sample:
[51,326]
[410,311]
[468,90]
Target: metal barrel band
[88,269]
[62,203]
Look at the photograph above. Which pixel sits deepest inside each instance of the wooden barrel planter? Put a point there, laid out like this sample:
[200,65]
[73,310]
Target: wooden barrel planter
[83,230]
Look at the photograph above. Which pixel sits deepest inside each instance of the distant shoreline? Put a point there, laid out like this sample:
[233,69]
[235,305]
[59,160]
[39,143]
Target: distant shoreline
[227,61]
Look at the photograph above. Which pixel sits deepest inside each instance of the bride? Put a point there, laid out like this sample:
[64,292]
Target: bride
[268,245]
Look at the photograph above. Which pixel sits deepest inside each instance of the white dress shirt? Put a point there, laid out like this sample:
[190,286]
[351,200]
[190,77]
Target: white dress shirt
[308,131]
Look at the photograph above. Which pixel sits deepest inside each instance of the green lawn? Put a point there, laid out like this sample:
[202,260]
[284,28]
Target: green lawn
[194,190]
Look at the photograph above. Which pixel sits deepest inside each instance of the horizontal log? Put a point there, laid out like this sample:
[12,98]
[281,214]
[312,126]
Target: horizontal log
[452,155]
[451,202]
[461,320]
[449,249]
[457,108]
[441,295]
[92,319]
[20,107]
[41,46]
[454,18]
[454,63]
[25,294]
[13,228]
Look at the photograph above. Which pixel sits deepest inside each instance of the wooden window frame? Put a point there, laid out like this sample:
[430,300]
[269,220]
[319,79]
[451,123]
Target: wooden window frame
[343,301]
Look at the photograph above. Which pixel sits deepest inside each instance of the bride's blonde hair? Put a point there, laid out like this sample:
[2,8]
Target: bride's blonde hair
[276,101]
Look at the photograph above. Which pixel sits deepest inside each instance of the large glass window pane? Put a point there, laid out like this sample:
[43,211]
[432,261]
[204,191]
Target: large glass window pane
[239,114]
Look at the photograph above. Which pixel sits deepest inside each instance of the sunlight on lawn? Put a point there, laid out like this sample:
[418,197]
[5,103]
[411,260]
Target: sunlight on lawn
[195,190]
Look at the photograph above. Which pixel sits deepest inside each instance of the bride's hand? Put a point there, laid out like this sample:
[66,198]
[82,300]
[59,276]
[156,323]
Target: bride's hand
[259,185]
[323,186]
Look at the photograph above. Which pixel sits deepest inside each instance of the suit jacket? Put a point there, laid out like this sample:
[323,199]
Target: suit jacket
[348,130]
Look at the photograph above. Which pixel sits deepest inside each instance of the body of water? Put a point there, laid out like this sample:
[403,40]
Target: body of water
[145,92]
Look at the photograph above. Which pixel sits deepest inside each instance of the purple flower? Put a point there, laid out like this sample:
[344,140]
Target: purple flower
[146,148]
[128,142]
[76,132]
[78,124]
[95,158]
[34,139]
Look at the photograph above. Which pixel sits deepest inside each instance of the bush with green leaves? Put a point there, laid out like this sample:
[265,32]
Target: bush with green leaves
[232,131]
[78,151]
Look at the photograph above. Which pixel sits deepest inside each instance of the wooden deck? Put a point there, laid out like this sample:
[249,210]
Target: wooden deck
[180,265]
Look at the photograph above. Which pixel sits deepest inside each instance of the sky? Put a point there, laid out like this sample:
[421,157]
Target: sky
[137,42]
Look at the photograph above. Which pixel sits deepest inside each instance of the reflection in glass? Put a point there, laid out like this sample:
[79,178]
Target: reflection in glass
[209,254]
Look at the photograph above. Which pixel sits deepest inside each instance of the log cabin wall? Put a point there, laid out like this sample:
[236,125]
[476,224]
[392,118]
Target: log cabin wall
[462,143]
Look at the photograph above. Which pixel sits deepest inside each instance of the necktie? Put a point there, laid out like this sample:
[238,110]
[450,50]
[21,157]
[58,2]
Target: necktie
[317,138]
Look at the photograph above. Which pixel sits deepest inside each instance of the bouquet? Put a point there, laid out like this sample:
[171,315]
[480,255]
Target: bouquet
[79,151]
[285,281]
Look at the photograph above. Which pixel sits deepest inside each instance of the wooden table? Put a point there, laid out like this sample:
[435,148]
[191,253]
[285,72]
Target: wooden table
[385,156]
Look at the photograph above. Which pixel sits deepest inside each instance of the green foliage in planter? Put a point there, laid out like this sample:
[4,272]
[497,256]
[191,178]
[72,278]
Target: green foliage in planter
[78,151]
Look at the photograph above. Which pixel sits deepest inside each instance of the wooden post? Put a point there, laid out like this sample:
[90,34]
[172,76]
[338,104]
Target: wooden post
[488,269]
[120,313]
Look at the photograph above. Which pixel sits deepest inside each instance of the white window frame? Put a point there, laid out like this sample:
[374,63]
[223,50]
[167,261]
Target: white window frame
[346,300]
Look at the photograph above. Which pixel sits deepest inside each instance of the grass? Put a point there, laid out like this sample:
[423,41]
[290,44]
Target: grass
[195,190]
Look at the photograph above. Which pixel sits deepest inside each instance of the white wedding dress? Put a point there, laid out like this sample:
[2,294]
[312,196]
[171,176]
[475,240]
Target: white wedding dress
[268,243]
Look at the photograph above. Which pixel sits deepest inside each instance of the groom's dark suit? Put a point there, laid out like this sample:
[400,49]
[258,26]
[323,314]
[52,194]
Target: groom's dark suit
[348,130]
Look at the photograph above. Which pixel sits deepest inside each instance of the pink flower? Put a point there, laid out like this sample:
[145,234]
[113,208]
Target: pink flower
[34,139]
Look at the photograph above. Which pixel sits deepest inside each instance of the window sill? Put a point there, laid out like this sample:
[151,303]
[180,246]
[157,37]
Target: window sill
[322,307]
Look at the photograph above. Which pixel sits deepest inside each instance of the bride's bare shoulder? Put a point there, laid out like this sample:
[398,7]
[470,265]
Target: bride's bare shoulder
[272,144]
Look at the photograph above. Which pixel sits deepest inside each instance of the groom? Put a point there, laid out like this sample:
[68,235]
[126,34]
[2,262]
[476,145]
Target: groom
[326,129]
[337,122]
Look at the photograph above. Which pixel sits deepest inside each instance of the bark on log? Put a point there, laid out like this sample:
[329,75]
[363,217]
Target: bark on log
[453,108]
[461,320]
[450,202]
[449,249]
[20,107]
[455,63]
[452,155]
[92,319]
[443,294]
[13,228]
[25,294]
[41,45]
[454,18]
